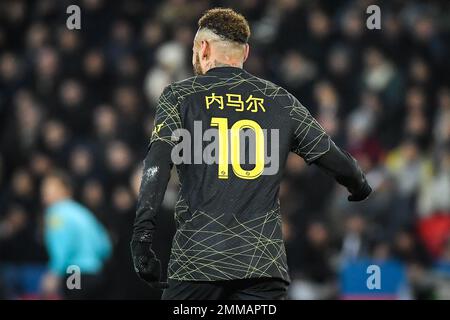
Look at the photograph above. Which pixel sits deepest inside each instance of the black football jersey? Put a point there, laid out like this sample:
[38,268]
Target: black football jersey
[228,214]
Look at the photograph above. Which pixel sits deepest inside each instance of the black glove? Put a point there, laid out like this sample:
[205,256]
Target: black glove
[362,193]
[146,265]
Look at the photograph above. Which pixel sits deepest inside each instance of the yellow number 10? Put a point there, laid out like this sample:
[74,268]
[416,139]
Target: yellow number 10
[222,125]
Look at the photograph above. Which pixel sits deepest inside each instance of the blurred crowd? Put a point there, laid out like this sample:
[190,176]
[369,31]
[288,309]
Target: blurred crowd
[84,101]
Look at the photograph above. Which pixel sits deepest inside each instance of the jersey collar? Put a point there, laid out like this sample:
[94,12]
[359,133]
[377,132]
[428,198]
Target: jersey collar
[227,69]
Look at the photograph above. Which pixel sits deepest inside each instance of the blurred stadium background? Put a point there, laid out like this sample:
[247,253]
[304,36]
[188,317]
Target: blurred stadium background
[83,100]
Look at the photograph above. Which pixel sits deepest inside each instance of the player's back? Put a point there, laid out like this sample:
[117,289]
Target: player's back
[236,131]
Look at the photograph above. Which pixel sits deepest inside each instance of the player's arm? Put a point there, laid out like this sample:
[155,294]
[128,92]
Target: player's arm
[344,168]
[313,144]
[155,177]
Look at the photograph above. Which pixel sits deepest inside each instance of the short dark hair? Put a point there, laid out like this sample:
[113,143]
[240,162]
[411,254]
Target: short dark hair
[226,23]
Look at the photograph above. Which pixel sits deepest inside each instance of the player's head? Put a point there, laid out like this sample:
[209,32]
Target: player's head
[56,186]
[221,39]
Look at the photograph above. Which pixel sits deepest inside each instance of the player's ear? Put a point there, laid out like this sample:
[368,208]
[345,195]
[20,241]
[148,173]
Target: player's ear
[205,49]
[246,51]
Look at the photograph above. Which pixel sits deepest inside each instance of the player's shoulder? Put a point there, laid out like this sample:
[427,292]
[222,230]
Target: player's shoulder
[185,82]
[270,89]
[265,82]
[191,82]
[183,88]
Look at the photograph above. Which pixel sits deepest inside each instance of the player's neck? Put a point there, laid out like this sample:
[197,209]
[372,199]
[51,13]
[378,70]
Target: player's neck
[219,64]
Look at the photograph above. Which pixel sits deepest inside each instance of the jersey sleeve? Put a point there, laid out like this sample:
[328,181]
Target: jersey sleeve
[310,141]
[167,119]
[157,165]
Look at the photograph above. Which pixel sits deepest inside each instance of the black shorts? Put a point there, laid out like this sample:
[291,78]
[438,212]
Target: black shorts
[245,289]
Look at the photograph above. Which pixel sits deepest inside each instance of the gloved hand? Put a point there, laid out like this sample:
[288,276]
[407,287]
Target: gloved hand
[146,265]
[361,194]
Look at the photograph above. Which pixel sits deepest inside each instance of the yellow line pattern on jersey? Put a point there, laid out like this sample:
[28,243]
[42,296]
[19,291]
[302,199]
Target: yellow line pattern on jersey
[208,252]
